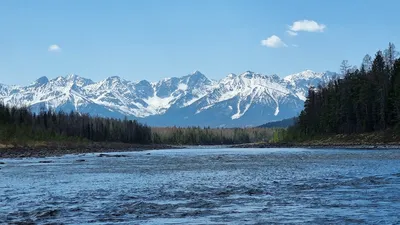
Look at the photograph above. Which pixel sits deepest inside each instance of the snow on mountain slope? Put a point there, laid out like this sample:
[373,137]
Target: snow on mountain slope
[249,88]
[300,82]
[184,90]
[236,100]
[4,92]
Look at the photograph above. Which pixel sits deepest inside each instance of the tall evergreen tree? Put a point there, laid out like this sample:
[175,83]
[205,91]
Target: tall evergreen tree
[362,100]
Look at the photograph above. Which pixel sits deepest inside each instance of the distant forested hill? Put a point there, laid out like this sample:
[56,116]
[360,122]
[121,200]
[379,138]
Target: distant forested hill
[280,124]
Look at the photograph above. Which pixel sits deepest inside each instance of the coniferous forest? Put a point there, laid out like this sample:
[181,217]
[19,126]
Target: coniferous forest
[20,125]
[365,99]
[207,135]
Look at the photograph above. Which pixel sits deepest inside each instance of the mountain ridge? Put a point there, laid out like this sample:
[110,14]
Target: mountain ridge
[247,99]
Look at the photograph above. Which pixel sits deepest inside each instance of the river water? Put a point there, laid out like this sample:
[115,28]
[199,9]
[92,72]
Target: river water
[205,186]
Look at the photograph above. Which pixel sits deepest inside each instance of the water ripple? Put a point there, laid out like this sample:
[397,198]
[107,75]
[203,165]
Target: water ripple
[208,186]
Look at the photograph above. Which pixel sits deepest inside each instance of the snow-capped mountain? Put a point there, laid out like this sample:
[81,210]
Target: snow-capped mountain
[248,99]
[300,82]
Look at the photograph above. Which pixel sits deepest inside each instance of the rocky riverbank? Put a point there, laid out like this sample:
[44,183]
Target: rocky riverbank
[57,149]
[319,145]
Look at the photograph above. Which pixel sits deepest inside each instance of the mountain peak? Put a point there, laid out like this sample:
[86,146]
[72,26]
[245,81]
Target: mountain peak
[196,78]
[71,76]
[41,81]
[144,82]
[78,80]
[196,72]
[250,75]
[247,74]
[275,77]
[114,79]
[304,75]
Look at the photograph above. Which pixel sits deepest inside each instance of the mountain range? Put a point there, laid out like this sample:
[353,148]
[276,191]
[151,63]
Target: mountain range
[248,99]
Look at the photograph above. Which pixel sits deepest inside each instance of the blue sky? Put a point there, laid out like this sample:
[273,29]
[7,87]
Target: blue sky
[153,39]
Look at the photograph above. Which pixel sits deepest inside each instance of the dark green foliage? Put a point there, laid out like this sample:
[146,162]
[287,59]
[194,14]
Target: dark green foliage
[209,136]
[364,100]
[280,124]
[20,124]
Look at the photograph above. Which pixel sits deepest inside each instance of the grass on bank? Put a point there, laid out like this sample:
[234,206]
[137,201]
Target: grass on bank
[24,137]
[386,137]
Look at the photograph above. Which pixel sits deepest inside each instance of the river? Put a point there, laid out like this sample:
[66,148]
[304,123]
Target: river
[204,186]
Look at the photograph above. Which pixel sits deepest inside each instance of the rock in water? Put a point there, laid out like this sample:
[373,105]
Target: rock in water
[108,155]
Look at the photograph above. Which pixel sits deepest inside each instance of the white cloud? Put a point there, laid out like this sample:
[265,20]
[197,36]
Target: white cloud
[54,48]
[307,25]
[291,33]
[273,42]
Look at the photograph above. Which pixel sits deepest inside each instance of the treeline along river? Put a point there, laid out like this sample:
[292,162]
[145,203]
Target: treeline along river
[20,126]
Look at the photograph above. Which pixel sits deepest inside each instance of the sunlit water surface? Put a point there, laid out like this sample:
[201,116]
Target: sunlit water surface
[205,186]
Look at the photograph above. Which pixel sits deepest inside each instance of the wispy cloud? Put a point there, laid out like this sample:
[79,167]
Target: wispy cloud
[307,25]
[273,42]
[298,26]
[291,33]
[54,48]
